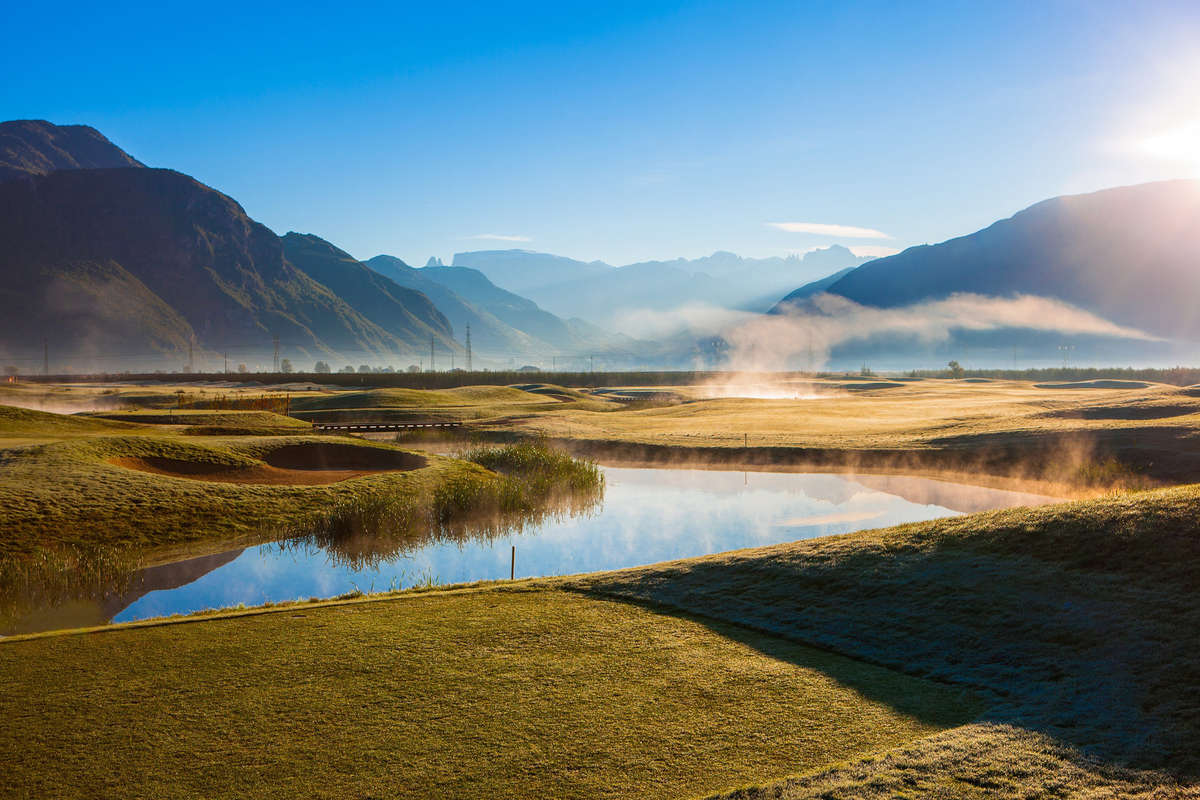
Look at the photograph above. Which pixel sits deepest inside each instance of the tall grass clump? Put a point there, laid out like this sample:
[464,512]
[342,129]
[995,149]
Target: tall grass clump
[539,468]
[53,576]
[520,485]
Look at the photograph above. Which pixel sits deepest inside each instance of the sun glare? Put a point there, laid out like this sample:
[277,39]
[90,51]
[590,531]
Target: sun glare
[1179,144]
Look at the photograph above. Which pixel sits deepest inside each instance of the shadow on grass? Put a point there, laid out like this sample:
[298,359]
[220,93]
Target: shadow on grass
[1077,624]
[932,703]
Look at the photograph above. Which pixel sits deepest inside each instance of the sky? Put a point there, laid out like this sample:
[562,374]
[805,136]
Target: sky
[626,131]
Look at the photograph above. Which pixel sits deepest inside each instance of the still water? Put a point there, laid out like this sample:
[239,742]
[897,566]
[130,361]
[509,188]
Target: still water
[648,515]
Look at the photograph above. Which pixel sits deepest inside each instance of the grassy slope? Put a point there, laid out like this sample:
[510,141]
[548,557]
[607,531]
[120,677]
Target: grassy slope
[246,419]
[1082,618]
[478,694]
[65,492]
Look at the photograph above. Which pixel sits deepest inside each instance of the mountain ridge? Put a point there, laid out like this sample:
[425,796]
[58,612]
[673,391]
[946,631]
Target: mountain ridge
[1093,250]
[37,147]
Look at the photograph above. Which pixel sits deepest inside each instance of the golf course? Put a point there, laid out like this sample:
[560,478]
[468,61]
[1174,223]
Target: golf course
[1017,652]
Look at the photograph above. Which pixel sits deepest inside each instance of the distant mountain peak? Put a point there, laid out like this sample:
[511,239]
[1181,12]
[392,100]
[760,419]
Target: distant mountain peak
[38,147]
[434,261]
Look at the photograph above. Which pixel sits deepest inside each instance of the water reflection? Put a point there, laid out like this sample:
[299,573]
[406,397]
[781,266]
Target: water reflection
[648,515]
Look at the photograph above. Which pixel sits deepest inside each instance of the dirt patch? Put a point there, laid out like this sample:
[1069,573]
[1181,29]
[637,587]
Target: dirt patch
[293,465]
[333,456]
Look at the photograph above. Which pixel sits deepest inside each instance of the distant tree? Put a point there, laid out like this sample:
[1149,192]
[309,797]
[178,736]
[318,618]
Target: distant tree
[388,369]
[321,368]
[285,365]
[956,370]
[413,368]
[866,372]
[364,367]
[347,368]
[242,368]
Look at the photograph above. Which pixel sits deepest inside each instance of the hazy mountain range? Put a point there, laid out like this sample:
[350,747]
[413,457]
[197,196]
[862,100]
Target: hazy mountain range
[1130,255]
[112,264]
[607,295]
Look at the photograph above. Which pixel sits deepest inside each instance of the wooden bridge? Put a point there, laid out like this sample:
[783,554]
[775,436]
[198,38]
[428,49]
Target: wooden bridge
[360,427]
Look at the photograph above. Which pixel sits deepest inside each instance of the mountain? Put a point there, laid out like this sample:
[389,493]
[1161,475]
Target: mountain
[1130,255]
[514,310]
[524,270]
[37,147]
[130,267]
[489,335]
[809,290]
[609,296]
[546,335]
[767,277]
[405,313]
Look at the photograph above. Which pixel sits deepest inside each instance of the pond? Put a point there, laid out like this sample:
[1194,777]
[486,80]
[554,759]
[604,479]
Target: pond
[647,516]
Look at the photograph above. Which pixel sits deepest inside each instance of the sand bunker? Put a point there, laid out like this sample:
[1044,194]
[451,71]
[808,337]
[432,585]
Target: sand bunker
[292,465]
[1099,384]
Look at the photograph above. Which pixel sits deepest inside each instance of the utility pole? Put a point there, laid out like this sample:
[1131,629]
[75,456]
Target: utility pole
[45,356]
[431,367]
[469,365]
[191,369]
[275,368]
[226,354]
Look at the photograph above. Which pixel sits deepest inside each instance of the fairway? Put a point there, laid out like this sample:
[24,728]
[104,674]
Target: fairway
[526,693]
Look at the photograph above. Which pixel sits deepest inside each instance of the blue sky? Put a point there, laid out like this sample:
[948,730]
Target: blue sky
[626,131]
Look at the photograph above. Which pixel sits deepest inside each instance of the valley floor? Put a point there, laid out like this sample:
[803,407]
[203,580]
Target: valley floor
[1048,652]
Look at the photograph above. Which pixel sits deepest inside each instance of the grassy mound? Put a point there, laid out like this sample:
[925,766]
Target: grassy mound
[231,419]
[69,494]
[499,694]
[27,422]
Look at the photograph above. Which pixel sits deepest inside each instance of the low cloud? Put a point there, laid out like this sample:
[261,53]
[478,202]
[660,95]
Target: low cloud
[699,319]
[824,229]
[500,237]
[773,342]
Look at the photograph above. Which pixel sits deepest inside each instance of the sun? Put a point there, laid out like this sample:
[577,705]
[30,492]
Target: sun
[1179,143]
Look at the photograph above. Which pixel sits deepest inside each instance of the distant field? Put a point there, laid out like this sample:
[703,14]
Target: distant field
[1077,436]
[504,694]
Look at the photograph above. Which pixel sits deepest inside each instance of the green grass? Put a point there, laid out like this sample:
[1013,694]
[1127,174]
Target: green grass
[24,422]
[497,694]
[1081,618]
[186,416]
[65,493]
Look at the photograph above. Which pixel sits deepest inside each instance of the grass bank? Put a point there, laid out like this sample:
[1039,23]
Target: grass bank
[475,694]
[1082,620]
